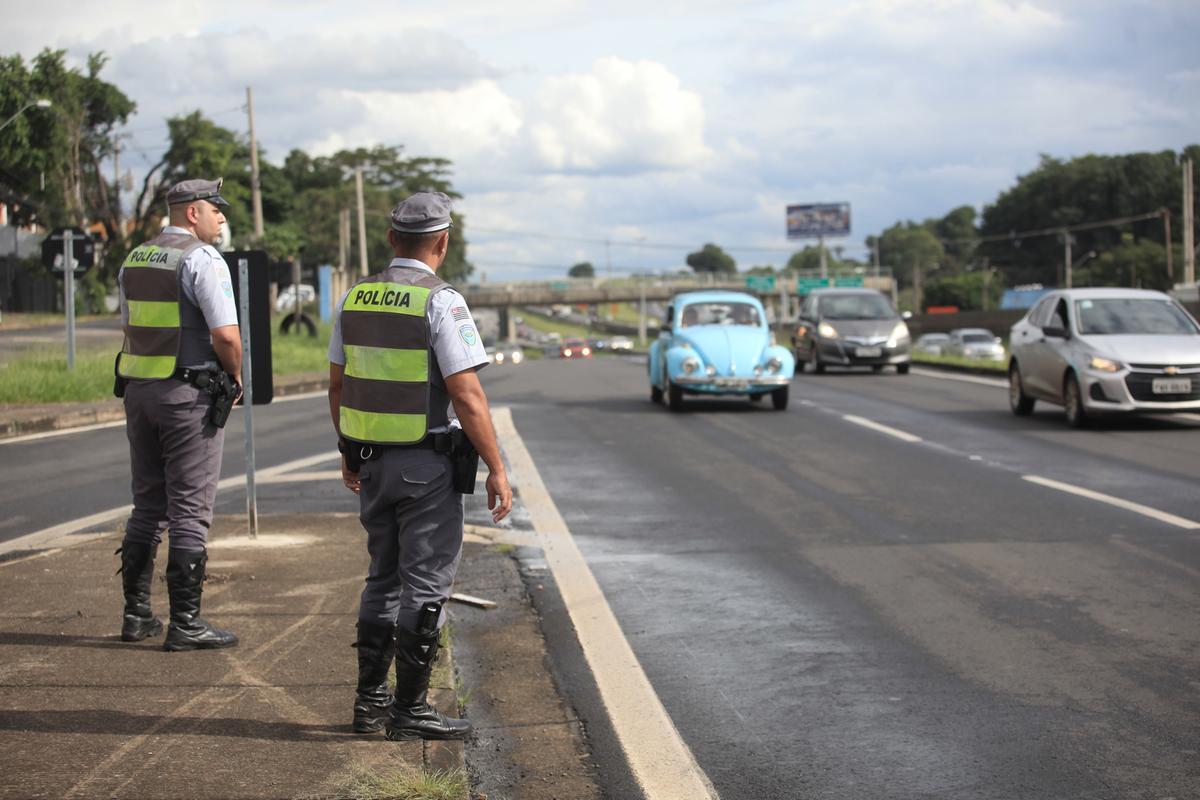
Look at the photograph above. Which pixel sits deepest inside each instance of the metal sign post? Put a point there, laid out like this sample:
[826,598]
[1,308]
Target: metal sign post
[69,296]
[248,388]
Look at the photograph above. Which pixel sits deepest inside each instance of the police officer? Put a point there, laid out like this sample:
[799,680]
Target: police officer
[403,348]
[180,329]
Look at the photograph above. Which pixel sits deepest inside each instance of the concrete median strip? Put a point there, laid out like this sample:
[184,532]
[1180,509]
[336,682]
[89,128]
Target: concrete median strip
[659,759]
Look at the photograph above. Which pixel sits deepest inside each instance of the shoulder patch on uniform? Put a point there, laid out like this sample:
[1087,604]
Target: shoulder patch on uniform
[467,334]
[227,287]
[460,314]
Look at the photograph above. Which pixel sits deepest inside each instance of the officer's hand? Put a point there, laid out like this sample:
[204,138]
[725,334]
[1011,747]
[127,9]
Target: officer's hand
[349,478]
[499,495]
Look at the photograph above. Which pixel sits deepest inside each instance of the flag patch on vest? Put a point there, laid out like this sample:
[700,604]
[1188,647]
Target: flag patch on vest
[460,314]
[467,334]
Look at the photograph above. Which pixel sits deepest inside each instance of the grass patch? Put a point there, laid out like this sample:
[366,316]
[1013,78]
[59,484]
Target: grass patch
[551,325]
[294,353]
[999,367]
[40,376]
[20,320]
[504,549]
[399,783]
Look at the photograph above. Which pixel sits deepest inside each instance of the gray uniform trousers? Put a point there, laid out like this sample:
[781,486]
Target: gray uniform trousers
[175,460]
[414,523]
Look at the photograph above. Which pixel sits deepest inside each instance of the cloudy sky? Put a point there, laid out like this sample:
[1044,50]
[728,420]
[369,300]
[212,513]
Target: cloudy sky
[658,126]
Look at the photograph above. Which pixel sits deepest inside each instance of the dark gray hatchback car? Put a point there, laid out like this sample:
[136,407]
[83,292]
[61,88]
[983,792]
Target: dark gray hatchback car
[850,328]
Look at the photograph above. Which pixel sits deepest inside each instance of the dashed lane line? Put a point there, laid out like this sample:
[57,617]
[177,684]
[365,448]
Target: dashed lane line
[66,533]
[876,426]
[659,759]
[950,376]
[1137,508]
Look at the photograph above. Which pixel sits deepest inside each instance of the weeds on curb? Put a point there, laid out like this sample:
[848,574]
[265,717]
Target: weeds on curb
[400,783]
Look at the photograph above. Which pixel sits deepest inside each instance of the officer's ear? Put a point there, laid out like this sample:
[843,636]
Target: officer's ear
[443,244]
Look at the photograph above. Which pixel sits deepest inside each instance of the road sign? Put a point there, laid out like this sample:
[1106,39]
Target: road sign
[818,219]
[560,286]
[258,326]
[806,285]
[855,280]
[760,283]
[84,248]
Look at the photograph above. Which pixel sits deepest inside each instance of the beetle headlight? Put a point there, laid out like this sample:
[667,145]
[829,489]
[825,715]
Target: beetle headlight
[710,370]
[758,372]
[1104,364]
[826,331]
[690,365]
[774,364]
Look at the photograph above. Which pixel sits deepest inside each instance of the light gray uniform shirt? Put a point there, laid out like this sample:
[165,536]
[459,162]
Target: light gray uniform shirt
[456,341]
[207,302]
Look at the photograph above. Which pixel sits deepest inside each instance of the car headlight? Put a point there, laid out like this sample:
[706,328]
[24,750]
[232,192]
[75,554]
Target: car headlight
[899,334]
[774,365]
[1104,364]
[690,365]
[567,352]
[710,370]
[517,357]
[499,358]
[587,351]
[826,331]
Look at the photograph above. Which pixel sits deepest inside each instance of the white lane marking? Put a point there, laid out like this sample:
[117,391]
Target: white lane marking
[875,426]
[296,477]
[1137,508]
[56,535]
[950,376]
[33,437]
[658,757]
[1189,417]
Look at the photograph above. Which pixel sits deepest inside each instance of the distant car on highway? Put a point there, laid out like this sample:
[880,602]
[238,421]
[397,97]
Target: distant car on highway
[505,355]
[848,328]
[574,348]
[619,343]
[718,343]
[931,343]
[1102,351]
[977,343]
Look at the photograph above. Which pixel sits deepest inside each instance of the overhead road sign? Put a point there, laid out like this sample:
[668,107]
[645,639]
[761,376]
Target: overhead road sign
[853,280]
[806,285]
[760,283]
[814,220]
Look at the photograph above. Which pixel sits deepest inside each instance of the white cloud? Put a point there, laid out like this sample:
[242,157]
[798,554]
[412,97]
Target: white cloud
[622,116]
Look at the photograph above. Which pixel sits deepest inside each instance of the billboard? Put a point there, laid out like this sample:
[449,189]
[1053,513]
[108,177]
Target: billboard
[818,219]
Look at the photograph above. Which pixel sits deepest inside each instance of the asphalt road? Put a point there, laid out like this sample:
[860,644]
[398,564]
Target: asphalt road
[828,609]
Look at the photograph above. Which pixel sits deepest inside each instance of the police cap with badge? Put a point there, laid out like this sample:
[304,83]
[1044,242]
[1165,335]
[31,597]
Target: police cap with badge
[424,212]
[197,189]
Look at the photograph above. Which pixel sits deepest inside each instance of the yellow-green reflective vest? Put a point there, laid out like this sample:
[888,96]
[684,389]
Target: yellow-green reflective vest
[150,282]
[391,390]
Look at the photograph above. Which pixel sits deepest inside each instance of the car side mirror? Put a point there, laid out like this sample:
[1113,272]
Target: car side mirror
[1055,332]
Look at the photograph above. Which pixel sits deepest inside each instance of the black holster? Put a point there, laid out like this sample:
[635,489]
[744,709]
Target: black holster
[465,459]
[119,382]
[221,387]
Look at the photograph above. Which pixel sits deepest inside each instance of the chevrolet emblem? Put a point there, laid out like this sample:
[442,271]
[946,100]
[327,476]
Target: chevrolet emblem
[1171,371]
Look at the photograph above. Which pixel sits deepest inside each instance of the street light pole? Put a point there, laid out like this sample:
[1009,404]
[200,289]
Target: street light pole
[41,102]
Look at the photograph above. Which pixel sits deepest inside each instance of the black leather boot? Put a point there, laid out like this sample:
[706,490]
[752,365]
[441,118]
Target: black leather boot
[372,702]
[411,717]
[137,574]
[185,579]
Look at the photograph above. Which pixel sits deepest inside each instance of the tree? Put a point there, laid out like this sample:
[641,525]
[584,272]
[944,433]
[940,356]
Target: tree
[809,260]
[1134,262]
[957,233]
[583,269]
[966,290]
[906,247]
[711,258]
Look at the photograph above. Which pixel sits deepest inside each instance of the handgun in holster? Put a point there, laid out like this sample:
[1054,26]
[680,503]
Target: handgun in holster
[119,381]
[221,387]
[465,459]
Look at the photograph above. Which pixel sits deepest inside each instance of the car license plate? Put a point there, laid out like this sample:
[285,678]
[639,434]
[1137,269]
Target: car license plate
[868,352]
[1171,386]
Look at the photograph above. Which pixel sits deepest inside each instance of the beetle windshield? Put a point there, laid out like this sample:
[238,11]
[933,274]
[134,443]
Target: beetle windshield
[731,313]
[856,306]
[1129,315]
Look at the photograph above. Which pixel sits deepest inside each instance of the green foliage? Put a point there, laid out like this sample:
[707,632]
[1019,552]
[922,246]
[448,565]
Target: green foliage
[907,246]
[999,367]
[583,269]
[711,258]
[1134,262]
[40,376]
[809,260]
[402,783]
[1085,189]
[298,352]
[966,290]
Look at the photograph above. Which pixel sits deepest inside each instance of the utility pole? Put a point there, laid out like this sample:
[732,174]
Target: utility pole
[117,185]
[1189,225]
[824,263]
[1066,234]
[1166,214]
[255,189]
[362,223]
[343,239]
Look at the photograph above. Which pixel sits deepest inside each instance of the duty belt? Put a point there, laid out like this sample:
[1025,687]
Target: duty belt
[200,377]
[438,442]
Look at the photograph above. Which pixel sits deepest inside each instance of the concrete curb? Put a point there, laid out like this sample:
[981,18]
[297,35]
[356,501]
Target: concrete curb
[21,421]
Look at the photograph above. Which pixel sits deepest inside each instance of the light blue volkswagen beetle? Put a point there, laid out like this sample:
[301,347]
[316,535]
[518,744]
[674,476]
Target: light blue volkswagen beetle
[718,343]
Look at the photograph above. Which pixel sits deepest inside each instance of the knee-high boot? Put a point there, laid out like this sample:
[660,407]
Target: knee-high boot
[185,579]
[411,716]
[372,701]
[137,576]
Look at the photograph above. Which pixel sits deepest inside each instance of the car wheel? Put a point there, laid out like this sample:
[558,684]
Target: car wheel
[779,398]
[674,397]
[902,369]
[754,398]
[877,368]
[817,366]
[1073,400]
[656,394]
[1020,403]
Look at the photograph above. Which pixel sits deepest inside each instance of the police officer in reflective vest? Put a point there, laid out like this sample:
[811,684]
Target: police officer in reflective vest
[180,331]
[403,349]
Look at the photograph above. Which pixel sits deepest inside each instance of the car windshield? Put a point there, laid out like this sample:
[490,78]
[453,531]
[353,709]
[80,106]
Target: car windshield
[977,338]
[856,306]
[731,313]
[1130,315]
